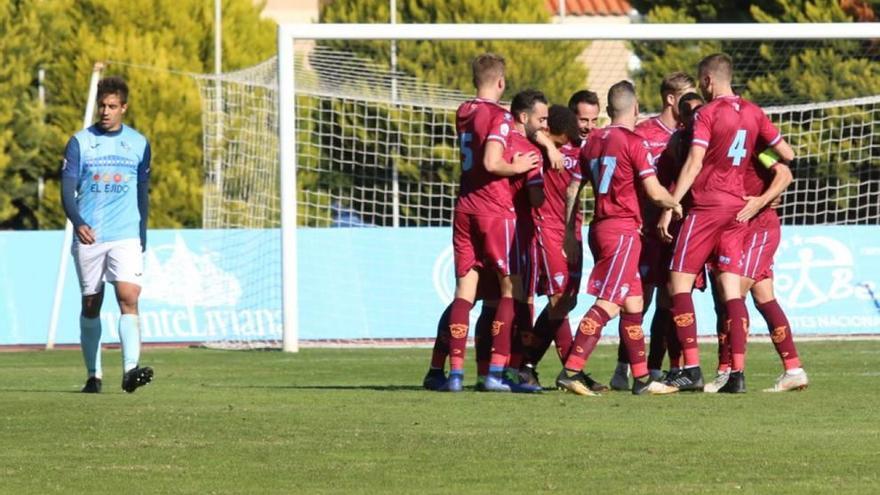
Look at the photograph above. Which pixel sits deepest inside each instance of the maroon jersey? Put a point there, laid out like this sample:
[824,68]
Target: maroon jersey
[481,192]
[517,142]
[614,160]
[655,132]
[756,179]
[728,128]
[551,214]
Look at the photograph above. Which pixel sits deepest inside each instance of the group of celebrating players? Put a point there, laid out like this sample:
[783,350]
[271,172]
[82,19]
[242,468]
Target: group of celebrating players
[683,200]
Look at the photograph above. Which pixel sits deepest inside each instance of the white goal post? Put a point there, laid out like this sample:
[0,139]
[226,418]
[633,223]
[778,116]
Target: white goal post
[289,33]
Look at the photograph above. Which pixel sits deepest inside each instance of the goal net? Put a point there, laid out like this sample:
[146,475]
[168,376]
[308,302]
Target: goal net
[376,165]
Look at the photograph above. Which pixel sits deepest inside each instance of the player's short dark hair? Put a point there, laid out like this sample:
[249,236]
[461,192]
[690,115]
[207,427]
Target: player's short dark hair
[525,100]
[621,95]
[113,85]
[487,68]
[563,122]
[676,82]
[684,109]
[582,96]
[718,64]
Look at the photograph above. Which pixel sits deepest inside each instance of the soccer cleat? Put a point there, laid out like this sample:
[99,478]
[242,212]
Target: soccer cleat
[720,381]
[593,385]
[495,382]
[652,387]
[92,386]
[455,383]
[686,380]
[435,379]
[786,382]
[574,384]
[620,378]
[736,384]
[529,376]
[136,377]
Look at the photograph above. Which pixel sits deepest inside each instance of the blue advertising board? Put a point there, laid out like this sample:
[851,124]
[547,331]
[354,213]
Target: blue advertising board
[375,283]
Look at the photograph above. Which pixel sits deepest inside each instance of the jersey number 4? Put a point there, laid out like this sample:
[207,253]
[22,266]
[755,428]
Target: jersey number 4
[602,174]
[737,149]
[467,154]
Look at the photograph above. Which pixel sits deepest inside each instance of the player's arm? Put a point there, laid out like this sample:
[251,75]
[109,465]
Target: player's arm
[659,195]
[69,182]
[572,200]
[143,198]
[557,161]
[689,172]
[494,162]
[782,177]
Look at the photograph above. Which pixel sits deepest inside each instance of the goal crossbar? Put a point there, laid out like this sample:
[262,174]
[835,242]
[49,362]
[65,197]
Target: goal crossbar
[288,33]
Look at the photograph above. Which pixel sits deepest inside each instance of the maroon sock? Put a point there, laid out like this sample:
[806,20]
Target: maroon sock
[659,324]
[441,342]
[686,327]
[535,345]
[459,320]
[633,338]
[563,338]
[483,339]
[622,355]
[738,332]
[673,346]
[523,330]
[501,332]
[723,333]
[780,333]
[589,331]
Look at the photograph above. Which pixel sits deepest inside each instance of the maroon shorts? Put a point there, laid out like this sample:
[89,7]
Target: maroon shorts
[615,274]
[759,248]
[558,274]
[713,236]
[480,241]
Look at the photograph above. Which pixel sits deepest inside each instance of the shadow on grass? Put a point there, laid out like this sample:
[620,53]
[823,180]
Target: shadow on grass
[39,391]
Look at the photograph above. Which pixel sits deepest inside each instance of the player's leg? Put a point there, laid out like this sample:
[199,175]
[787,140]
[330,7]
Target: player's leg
[657,347]
[587,336]
[435,379]
[633,337]
[465,245]
[483,340]
[89,261]
[722,373]
[794,377]
[663,320]
[124,270]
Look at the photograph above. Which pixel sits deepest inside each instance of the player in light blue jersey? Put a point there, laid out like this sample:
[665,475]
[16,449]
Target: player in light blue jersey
[105,183]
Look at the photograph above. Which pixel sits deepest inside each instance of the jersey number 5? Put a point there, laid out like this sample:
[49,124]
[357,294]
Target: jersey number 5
[602,174]
[467,154]
[737,149]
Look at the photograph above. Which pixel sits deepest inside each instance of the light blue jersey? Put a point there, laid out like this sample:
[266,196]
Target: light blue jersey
[108,167]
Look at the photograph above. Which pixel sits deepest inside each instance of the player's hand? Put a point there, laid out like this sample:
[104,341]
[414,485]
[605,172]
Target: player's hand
[557,161]
[663,226]
[752,207]
[524,162]
[85,234]
[777,201]
[677,212]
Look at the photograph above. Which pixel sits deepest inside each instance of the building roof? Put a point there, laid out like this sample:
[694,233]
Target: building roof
[591,7]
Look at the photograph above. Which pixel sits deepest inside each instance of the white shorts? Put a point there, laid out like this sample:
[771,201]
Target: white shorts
[114,261]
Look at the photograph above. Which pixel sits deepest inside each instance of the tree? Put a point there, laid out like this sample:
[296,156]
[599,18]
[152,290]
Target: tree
[149,44]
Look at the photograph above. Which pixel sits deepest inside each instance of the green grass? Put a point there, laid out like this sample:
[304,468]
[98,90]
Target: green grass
[355,421]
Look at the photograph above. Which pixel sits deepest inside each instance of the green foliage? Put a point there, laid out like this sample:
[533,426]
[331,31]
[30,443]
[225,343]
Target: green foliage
[145,42]
[550,67]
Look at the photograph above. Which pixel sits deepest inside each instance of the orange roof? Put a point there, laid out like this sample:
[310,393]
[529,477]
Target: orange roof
[591,7]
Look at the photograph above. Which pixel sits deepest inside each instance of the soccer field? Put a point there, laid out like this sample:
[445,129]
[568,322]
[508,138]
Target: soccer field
[357,421]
